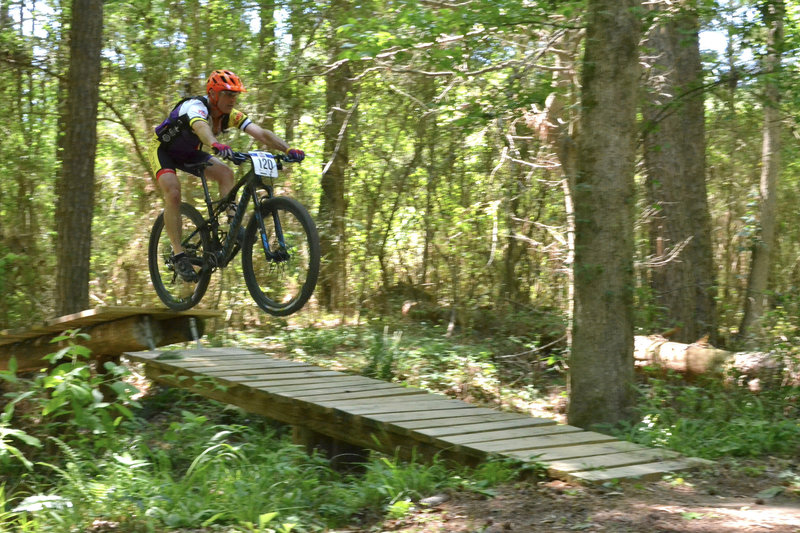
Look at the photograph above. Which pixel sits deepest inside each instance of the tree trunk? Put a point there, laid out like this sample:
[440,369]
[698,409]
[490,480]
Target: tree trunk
[601,362]
[331,287]
[682,275]
[76,183]
[756,301]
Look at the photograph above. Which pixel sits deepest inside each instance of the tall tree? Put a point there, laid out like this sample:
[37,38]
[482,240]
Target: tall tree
[773,12]
[331,222]
[683,275]
[76,184]
[601,360]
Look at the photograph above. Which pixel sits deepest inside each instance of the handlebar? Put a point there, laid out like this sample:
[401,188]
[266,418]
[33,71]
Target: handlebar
[240,157]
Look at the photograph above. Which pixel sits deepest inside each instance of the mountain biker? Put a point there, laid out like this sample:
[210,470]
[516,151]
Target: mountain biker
[192,123]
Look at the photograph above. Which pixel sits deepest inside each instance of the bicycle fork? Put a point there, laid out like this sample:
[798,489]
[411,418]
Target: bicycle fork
[278,255]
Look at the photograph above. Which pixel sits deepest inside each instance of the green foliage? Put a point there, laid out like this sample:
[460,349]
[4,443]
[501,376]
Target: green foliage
[222,469]
[65,401]
[9,434]
[382,355]
[711,420]
[483,366]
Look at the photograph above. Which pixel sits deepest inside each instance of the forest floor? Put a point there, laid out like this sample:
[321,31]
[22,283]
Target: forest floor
[732,496]
[742,497]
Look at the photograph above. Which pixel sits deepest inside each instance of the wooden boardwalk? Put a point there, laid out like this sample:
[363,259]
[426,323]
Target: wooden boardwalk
[395,419]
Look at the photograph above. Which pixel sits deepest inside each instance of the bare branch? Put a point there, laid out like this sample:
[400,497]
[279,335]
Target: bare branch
[665,259]
[342,131]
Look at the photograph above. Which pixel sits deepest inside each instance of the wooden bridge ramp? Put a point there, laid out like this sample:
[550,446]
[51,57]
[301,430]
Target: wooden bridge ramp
[395,419]
[112,330]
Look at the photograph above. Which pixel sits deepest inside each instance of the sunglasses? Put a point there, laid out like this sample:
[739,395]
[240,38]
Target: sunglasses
[229,94]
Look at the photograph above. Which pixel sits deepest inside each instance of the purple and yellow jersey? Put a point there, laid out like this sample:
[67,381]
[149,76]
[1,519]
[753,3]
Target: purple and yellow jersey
[175,142]
[176,131]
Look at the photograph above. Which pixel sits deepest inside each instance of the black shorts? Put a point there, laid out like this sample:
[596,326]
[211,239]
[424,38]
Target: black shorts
[163,159]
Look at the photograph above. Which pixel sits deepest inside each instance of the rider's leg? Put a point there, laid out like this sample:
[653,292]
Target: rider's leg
[164,169]
[221,174]
[171,188]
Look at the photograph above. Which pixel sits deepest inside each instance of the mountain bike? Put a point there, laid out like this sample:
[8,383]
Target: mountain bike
[280,245]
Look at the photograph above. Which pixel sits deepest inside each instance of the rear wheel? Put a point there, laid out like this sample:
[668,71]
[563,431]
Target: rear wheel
[174,291]
[282,280]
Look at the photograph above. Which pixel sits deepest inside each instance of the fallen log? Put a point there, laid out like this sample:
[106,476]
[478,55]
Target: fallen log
[756,369]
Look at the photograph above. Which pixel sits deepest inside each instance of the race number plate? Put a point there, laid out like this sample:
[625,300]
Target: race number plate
[264,164]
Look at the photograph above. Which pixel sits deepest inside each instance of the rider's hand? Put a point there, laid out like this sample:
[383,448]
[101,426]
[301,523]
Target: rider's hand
[295,155]
[223,150]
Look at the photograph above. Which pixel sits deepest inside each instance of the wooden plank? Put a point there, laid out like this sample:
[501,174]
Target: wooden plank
[282,380]
[252,366]
[644,472]
[263,382]
[570,452]
[614,460]
[267,373]
[485,427]
[309,392]
[544,441]
[397,418]
[180,357]
[263,375]
[144,356]
[200,362]
[203,353]
[378,395]
[454,422]
[244,375]
[367,407]
[511,434]
[332,384]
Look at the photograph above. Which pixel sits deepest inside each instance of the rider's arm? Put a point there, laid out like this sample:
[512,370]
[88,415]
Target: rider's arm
[266,137]
[203,131]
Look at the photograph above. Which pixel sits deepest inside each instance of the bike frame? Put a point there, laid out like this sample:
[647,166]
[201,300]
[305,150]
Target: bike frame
[223,252]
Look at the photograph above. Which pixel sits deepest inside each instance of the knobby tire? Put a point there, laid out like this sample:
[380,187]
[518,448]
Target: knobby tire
[282,286]
[177,294]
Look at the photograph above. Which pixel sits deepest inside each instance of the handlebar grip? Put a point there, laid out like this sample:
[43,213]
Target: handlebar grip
[238,158]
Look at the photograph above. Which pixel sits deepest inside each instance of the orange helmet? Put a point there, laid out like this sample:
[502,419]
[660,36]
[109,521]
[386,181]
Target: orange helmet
[224,80]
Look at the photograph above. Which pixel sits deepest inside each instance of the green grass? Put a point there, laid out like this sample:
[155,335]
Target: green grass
[714,420]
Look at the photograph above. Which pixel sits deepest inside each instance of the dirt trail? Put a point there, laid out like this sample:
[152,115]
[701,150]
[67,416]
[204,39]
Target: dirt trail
[737,498]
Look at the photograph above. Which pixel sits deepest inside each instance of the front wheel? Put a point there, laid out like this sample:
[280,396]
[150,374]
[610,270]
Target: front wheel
[281,266]
[177,293]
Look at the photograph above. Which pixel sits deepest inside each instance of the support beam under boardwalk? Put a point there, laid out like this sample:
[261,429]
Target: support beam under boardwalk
[392,418]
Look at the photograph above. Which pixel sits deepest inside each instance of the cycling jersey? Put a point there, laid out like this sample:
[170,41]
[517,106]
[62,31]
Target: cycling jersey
[175,142]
